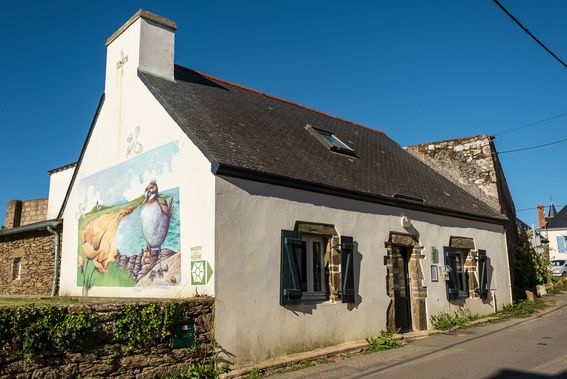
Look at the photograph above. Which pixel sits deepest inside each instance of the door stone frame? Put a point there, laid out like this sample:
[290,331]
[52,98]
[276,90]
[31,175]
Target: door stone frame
[418,291]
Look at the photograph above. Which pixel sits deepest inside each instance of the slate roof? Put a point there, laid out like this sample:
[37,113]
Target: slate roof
[246,133]
[559,221]
[552,211]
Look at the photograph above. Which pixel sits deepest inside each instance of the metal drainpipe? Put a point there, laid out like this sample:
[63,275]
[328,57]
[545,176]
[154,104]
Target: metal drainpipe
[56,265]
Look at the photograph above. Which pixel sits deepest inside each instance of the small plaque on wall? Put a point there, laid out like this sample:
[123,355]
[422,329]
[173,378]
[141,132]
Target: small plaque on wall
[434,255]
[434,273]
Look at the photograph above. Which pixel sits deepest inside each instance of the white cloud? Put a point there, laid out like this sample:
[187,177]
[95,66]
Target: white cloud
[165,176]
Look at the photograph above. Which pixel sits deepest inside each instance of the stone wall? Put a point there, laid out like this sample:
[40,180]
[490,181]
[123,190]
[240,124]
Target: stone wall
[24,212]
[467,161]
[472,163]
[35,250]
[101,358]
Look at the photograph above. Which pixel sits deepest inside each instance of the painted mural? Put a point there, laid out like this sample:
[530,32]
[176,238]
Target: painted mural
[128,221]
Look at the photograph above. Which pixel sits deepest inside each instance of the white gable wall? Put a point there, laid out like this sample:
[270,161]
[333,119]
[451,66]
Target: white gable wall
[128,107]
[58,185]
[251,324]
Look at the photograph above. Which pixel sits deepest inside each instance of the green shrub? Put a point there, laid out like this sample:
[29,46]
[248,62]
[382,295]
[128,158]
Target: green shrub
[521,309]
[385,341]
[256,373]
[446,320]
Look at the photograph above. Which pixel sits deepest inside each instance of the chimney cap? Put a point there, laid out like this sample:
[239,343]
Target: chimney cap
[146,15]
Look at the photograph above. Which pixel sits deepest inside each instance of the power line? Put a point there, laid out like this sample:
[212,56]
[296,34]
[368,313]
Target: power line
[532,147]
[529,33]
[533,208]
[532,124]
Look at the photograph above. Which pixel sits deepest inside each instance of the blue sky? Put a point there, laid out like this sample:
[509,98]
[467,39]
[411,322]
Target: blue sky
[419,70]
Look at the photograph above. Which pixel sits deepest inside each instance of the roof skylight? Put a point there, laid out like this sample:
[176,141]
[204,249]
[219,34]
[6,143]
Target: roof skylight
[330,140]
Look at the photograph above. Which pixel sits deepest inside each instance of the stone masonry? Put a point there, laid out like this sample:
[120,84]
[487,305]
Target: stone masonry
[473,164]
[100,358]
[467,161]
[35,252]
[24,212]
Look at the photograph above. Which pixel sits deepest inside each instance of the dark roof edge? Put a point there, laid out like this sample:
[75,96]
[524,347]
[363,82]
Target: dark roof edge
[72,183]
[62,168]
[241,173]
[179,123]
[146,15]
[31,227]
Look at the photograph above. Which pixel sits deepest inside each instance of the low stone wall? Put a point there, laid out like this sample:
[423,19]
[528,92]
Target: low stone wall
[102,357]
[35,251]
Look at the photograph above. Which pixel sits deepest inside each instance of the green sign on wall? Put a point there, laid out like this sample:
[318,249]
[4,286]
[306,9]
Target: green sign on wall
[201,272]
[434,255]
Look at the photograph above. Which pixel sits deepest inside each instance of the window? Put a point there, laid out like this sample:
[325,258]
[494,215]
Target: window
[458,264]
[457,275]
[16,268]
[305,272]
[331,141]
[561,245]
[457,272]
[312,269]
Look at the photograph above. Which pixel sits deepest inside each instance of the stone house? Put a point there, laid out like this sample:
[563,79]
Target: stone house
[31,239]
[297,222]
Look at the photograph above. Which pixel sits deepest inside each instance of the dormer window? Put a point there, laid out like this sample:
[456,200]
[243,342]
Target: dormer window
[331,141]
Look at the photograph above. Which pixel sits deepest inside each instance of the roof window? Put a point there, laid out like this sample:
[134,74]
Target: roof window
[331,141]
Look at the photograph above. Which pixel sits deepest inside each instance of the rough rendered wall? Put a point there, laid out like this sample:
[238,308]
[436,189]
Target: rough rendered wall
[467,161]
[36,251]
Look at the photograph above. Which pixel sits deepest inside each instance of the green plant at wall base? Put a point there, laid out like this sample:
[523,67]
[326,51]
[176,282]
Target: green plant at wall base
[139,325]
[385,341]
[446,320]
[31,331]
[521,309]
[256,373]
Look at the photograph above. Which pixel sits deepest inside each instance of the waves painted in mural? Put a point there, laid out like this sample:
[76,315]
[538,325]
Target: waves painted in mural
[129,223]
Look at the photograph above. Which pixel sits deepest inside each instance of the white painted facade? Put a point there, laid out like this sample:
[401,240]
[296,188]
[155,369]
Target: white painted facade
[551,235]
[58,183]
[128,106]
[251,324]
[237,224]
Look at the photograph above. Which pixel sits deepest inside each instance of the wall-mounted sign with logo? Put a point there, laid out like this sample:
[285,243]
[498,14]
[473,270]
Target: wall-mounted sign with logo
[201,272]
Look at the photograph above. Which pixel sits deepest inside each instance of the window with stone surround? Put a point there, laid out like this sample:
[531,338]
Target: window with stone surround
[316,265]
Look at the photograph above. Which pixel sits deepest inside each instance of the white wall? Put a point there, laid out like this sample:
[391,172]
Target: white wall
[553,249]
[58,185]
[129,105]
[252,325]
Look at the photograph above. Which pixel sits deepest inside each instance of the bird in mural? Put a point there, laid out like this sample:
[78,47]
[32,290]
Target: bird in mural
[156,214]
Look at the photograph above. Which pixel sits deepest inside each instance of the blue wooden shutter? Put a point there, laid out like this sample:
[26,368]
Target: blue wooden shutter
[452,291]
[290,283]
[482,289]
[561,244]
[347,270]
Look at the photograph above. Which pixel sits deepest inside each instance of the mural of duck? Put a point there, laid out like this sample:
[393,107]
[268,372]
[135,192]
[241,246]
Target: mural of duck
[155,214]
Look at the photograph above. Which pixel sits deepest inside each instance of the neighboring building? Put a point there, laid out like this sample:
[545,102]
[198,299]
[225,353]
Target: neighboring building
[473,164]
[554,226]
[29,239]
[309,230]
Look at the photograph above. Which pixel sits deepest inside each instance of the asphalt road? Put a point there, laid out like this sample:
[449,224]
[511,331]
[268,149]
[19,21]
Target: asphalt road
[518,348]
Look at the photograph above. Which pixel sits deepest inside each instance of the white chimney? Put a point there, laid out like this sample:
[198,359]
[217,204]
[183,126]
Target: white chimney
[146,43]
